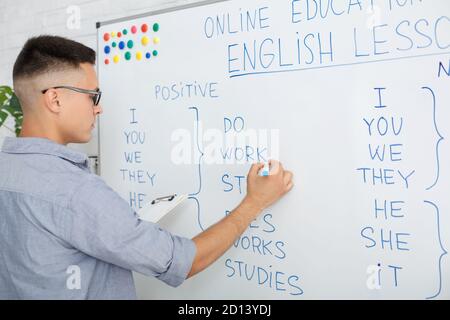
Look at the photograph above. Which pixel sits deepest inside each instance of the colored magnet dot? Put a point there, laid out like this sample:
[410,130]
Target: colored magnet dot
[116,59]
[113,34]
[107,49]
[127,55]
[133,29]
[155,53]
[155,40]
[144,40]
[114,44]
[106,61]
[121,45]
[130,44]
[138,55]
[156,27]
[119,34]
[125,32]
[148,55]
[106,37]
[144,28]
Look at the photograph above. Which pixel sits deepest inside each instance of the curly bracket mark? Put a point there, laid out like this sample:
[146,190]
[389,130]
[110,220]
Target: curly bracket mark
[444,252]
[192,196]
[198,212]
[439,135]
[199,150]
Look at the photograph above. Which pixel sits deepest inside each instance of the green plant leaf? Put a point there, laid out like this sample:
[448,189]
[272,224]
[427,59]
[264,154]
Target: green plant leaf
[10,105]
[5,95]
[3,116]
[5,90]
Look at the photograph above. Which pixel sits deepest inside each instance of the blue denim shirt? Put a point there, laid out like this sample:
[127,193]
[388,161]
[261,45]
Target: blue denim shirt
[64,234]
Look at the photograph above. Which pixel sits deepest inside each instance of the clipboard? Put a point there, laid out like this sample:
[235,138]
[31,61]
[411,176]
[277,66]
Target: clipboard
[159,207]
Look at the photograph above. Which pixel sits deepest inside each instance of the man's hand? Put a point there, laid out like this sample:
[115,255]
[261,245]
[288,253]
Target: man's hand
[261,193]
[264,191]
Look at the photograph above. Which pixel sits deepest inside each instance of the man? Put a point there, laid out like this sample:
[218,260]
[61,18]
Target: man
[57,218]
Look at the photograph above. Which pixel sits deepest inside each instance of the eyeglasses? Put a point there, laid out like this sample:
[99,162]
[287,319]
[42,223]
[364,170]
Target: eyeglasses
[95,94]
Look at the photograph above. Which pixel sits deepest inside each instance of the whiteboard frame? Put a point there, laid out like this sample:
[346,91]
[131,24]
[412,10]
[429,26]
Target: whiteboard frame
[160,11]
[100,24]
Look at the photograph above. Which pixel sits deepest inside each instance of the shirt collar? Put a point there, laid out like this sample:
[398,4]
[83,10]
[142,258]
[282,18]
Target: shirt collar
[29,145]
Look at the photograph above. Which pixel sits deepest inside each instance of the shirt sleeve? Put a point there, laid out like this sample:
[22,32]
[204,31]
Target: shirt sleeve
[103,225]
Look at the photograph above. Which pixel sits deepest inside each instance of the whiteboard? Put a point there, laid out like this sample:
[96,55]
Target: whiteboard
[353,98]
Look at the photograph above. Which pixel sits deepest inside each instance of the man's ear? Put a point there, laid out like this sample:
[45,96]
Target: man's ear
[52,100]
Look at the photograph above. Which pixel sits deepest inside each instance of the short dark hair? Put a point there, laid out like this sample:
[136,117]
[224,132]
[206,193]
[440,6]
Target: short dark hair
[50,53]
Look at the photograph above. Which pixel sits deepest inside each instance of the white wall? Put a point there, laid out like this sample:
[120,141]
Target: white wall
[21,19]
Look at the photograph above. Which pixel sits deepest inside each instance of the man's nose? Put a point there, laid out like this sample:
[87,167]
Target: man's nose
[98,109]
